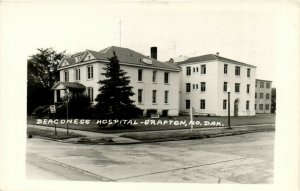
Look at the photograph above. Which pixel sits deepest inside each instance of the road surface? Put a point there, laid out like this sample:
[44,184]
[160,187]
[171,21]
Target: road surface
[244,158]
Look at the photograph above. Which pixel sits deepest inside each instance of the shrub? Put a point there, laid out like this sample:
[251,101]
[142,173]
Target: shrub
[78,107]
[41,111]
[151,111]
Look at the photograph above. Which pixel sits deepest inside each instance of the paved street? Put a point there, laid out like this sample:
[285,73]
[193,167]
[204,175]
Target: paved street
[246,158]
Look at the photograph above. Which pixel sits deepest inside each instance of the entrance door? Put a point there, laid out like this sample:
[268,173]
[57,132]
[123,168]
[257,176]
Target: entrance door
[236,107]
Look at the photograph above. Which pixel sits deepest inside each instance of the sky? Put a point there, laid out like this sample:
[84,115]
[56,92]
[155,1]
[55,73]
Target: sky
[240,31]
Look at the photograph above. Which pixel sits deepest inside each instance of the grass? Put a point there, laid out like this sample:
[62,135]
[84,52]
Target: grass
[50,134]
[196,134]
[247,120]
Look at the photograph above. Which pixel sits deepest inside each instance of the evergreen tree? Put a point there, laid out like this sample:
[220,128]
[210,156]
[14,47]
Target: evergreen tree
[114,98]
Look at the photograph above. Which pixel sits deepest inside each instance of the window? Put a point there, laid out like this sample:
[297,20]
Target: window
[188,87]
[90,71]
[255,95]
[203,69]
[166,78]
[188,70]
[255,84]
[225,68]
[195,86]
[140,95]
[66,76]
[261,96]
[140,75]
[247,105]
[237,87]
[166,96]
[268,85]
[90,93]
[267,96]
[197,69]
[187,104]
[255,106]
[261,106]
[77,74]
[154,96]
[248,88]
[224,104]
[261,85]
[267,106]
[248,72]
[154,76]
[237,71]
[225,86]
[202,104]
[203,87]
[194,69]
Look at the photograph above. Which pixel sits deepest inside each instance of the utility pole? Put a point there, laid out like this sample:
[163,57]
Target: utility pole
[120,23]
[174,47]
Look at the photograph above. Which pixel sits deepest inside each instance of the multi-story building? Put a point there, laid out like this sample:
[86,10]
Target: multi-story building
[263,92]
[205,81]
[154,83]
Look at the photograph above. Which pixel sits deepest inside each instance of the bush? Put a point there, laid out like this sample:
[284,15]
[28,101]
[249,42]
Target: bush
[79,106]
[151,111]
[41,111]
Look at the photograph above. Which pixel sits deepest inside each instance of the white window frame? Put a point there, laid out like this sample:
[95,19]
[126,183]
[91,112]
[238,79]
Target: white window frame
[140,75]
[166,97]
[154,96]
[66,76]
[203,69]
[203,86]
[77,74]
[237,71]
[140,95]
[90,72]
[202,103]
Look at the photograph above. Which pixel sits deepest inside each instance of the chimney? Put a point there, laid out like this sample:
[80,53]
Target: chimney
[153,52]
[217,53]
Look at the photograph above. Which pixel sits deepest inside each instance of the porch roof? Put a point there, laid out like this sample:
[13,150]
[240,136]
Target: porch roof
[67,85]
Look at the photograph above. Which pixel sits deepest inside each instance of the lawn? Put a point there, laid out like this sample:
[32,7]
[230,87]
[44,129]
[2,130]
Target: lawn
[50,134]
[249,120]
[196,134]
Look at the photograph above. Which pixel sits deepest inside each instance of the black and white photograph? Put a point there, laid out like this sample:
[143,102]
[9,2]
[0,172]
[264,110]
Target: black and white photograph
[161,92]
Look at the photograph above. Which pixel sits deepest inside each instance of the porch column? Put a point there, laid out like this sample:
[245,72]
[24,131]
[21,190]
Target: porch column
[55,96]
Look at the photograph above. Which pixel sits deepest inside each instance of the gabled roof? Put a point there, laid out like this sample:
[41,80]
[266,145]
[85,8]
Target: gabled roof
[212,57]
[70,60]
[70,85]
[128,56]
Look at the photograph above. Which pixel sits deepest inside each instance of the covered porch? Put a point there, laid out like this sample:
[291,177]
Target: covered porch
[65,90]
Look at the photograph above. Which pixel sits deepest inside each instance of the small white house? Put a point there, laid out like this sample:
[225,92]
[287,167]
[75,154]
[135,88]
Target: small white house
[154,83]
[205,81]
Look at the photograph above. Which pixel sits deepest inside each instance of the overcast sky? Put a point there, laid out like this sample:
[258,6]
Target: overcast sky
[243,32]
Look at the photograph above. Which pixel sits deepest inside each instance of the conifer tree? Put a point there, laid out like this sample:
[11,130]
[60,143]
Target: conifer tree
[114,98]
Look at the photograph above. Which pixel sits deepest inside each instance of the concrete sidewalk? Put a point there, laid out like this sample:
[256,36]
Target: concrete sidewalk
[116,138]
[89,135]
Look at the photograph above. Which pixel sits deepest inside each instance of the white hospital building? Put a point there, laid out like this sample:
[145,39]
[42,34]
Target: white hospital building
[205,81]
[154,83]
[169,88]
